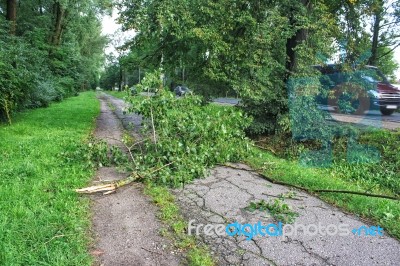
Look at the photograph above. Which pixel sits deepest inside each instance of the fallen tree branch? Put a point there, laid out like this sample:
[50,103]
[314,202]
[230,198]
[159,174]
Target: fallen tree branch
[130,151]
[153,127]
[110,188]
[265,149]
[158,169]
[356,193]
[309,190]
[152,251]
[128,147]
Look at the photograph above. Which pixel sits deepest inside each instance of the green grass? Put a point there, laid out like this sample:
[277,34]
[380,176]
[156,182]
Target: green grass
[43,221]
[383,212]
[196,254]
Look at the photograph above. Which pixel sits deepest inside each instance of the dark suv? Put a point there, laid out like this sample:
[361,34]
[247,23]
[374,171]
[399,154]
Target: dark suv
[358,90]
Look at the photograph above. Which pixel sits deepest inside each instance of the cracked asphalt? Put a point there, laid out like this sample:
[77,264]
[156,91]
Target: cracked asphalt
[222,198]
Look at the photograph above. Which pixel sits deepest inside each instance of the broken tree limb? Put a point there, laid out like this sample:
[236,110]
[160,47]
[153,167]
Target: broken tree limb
[110,188]
[356,193]
[313,191]
[113,186]
[265,149]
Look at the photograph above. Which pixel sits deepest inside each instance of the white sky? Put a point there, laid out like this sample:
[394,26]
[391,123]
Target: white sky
[110,27]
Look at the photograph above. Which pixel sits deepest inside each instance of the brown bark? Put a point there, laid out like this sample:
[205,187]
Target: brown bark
[41,7]
[299,37]
[59,13]
[121,78]
[12,15]
[375,36]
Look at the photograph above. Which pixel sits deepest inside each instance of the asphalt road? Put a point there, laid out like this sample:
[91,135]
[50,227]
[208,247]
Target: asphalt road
[370,118]
[376,115]
[370,115]
[226,101]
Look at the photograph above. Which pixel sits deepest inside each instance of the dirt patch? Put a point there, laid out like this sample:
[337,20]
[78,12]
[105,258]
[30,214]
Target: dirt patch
[125,224]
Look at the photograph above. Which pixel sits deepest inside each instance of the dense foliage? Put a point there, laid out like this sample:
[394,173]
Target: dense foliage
[253,48]
[49,50]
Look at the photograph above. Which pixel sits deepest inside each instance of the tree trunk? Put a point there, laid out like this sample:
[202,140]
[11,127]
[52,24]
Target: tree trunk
[292,59]
[59,13]
[299,37]
[375,37]
[41,7]
[12,15]
[120,78]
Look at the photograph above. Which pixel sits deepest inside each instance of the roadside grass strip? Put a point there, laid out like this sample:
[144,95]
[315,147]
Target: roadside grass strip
[43,221]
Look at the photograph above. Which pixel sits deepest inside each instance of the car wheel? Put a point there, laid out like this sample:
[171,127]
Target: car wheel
[385,111]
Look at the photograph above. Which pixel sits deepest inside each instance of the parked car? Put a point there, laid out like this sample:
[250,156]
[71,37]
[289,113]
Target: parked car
[133,91]
[357,91]
[182,91]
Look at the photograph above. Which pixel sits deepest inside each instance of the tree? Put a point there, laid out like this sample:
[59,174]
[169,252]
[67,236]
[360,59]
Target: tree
[59,14]
[56,51]
[300,33]
[250,47]
[12,15]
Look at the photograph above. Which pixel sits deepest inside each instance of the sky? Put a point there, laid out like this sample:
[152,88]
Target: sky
[113,29]
[110,27]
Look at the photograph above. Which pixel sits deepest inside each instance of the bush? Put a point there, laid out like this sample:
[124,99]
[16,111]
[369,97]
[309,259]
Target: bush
[67,86]
[42,95]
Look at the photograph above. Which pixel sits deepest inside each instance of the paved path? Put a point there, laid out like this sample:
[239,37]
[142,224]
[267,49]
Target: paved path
[125,226]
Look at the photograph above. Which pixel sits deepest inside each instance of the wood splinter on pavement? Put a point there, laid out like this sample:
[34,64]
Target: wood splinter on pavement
[112,187]
[109,188]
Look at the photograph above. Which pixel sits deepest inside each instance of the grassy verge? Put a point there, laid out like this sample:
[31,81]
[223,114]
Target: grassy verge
[43,221]
[197,255]
[383,212]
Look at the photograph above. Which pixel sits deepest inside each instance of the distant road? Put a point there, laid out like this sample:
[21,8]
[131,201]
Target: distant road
[370,118]
[226,101]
